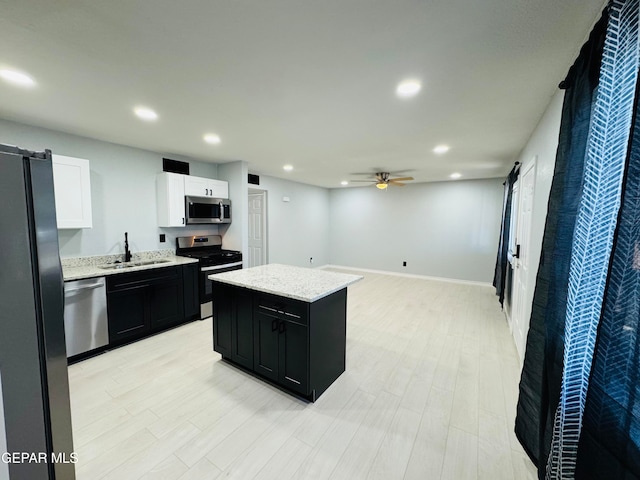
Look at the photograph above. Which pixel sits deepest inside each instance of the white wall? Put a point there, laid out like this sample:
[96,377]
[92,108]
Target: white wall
[235,236]
[123,191]
[299,229]
[444,229]
[542,145]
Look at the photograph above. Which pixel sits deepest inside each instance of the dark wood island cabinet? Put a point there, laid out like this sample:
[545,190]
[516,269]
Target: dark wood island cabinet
[293,337]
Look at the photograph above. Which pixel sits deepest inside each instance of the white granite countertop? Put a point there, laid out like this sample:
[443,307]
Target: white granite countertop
[304,284]
[89,270]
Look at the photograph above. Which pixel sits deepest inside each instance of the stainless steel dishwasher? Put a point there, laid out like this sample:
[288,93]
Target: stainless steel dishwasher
[85,315]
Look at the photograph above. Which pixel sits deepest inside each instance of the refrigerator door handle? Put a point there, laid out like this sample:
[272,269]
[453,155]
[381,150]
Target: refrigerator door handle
[62,286]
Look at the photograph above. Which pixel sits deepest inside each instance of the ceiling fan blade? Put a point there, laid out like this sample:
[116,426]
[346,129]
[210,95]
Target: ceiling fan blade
[402,179]
[362,181]
[397,184]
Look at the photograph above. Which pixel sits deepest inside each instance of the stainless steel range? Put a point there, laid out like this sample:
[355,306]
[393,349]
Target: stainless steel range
[213,259]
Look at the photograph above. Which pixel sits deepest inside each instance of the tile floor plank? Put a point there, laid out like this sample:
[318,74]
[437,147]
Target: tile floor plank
[361,451]
[393,455]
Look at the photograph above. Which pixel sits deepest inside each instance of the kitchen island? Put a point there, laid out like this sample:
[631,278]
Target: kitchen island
[285,324]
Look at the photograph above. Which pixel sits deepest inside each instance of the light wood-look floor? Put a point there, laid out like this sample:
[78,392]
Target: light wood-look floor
[429,393]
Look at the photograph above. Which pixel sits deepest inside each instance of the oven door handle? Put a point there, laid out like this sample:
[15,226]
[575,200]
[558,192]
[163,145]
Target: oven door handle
[220,267]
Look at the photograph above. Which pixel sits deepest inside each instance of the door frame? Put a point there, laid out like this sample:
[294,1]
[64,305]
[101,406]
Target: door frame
[265,224]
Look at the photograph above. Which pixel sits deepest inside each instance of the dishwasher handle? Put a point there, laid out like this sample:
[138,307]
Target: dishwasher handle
[84,287]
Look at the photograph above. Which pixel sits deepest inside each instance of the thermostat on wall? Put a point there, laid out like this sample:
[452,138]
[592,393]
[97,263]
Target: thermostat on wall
[286,199]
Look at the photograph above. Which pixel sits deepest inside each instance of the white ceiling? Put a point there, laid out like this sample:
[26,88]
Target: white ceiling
[305,82]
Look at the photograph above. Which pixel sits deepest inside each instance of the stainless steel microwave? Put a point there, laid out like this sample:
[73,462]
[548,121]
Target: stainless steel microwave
[200,210]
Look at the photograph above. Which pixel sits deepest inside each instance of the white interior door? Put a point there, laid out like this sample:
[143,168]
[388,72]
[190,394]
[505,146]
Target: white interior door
[257,228]
[513,225]
[522,262]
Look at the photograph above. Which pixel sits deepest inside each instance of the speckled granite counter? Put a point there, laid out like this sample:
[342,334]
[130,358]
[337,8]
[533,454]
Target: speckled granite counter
[304,284]
[88,267]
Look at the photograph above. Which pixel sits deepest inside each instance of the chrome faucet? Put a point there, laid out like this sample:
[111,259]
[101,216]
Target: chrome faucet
[127,252]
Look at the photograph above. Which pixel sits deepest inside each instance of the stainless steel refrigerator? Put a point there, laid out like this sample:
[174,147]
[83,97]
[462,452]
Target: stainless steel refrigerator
[35,416]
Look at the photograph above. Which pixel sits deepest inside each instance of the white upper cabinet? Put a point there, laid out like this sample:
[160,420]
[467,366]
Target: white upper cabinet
[205,187]
[72,188]
[170,199]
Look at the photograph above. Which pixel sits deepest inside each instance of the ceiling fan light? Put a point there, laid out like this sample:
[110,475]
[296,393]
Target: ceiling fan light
[381,185]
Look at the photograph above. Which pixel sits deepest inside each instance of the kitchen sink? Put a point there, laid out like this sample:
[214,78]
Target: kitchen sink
[116,266]
[150,262]
[119,266]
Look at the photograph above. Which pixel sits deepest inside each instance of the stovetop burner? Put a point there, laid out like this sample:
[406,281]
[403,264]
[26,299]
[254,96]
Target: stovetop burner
[208,249]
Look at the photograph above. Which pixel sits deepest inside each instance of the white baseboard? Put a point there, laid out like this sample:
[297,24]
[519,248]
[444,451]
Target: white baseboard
[410,275]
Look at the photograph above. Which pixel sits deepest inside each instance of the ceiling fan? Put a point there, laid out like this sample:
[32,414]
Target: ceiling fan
[383,180]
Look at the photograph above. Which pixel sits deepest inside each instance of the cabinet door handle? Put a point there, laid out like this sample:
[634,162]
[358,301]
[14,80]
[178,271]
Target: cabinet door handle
[274,325]
[282,327]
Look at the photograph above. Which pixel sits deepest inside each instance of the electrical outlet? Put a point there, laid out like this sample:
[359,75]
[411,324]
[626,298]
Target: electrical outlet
[163,238]
[310,259]
[404,264]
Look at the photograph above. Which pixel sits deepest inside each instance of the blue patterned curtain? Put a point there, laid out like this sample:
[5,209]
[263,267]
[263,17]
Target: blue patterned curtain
[595,226]
[558,392]
[610,440]
[542,368]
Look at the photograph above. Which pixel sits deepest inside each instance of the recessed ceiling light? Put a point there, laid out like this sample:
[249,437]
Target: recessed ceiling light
[408,88]
[17,78]
[288,168]
[455,176]
[212,138]
[344,182]
[441,149]
[145,113]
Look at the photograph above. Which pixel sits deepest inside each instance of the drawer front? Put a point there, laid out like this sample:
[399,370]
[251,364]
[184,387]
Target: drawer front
[133,279]
[285,308]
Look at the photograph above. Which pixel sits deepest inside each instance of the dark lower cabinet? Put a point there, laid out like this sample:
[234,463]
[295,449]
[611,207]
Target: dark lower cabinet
[233,325]
[190,290]
[242,329]
[266,344]
[222,313]
[297,345]
[128,313]
[167,305]
[140,303]
[293,356]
